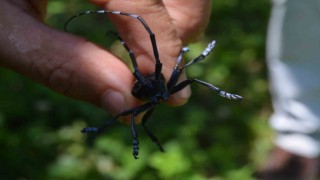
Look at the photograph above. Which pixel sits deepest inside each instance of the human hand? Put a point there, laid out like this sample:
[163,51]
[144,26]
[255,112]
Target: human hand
[79,69]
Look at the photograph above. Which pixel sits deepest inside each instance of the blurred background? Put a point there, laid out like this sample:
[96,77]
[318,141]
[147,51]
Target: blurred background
[208,138]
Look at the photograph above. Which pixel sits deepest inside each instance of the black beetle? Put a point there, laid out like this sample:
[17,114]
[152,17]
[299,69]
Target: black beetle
[153,88]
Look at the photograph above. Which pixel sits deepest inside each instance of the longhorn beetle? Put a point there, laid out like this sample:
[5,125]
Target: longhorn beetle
[153,87]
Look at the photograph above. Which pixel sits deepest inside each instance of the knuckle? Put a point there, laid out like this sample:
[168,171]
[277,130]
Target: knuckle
[60,78]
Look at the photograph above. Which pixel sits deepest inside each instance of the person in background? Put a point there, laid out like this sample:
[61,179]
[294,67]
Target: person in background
[293,59]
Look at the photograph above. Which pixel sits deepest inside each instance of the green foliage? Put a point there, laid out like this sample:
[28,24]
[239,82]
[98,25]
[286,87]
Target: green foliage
[208,138]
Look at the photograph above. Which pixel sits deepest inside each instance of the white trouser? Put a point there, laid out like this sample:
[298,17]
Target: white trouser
[293,57]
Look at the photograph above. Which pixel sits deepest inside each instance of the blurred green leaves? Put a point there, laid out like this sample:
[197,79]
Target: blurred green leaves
[208,138]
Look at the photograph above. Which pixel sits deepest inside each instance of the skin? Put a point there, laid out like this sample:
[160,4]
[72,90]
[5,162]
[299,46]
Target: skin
[79,69]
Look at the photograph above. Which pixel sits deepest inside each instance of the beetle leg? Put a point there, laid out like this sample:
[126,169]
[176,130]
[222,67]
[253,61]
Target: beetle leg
[177,70]
[158,66]
[222,93]
[136,72]
[95,129]
[204,54]
[150,134]
[135,142]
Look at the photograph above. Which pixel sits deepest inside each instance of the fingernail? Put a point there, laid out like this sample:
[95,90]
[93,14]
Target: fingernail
[113,101]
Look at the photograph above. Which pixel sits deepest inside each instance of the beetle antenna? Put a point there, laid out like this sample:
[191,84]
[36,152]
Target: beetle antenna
[158,66]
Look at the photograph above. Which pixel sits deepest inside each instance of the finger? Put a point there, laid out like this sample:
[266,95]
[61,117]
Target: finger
[138,39]
[65,63]
[190,17]
[39,7]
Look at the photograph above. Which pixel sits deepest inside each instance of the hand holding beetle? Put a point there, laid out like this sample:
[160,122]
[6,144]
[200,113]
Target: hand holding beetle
[79,69]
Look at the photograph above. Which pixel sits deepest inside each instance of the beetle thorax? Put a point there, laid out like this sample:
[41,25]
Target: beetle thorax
[152,89]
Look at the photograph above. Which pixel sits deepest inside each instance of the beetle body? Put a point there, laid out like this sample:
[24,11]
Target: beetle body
[153,88]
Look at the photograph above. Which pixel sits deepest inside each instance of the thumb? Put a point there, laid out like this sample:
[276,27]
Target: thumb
[65,63]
